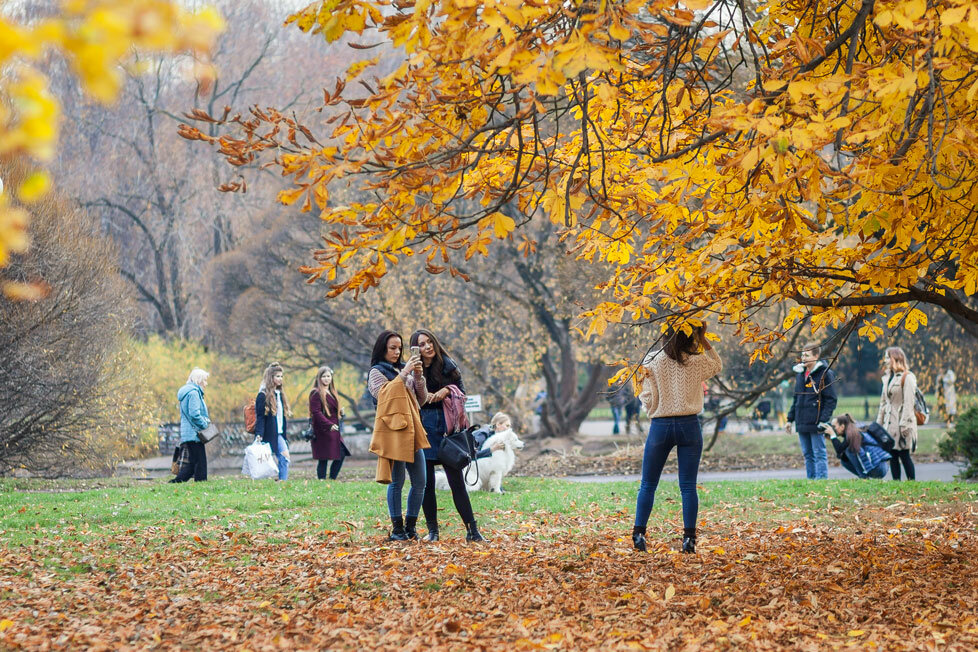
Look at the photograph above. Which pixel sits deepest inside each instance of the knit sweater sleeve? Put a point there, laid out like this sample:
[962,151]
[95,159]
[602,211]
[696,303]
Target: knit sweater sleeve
[709,364]
[649,394]
[375,382]
[416,383]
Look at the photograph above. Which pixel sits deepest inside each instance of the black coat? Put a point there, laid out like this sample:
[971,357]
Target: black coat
[266,424]
[815,399]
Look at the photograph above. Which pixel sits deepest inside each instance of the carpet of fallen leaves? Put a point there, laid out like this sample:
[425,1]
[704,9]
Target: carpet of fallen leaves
[894,578]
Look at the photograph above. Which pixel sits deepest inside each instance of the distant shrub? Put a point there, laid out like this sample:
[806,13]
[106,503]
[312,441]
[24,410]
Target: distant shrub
[962,442]
[65,378]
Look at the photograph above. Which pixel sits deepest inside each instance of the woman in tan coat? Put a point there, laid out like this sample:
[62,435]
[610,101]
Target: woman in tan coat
[896,413]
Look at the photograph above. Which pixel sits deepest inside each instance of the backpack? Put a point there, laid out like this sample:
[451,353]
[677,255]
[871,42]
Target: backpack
[880,435]
[920,410]
[250,417]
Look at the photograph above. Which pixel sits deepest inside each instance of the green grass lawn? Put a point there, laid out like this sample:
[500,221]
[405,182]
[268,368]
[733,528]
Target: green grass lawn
[52,511]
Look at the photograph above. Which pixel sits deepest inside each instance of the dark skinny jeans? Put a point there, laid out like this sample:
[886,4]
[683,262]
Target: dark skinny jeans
[334,470]
[665,433]
[459,495]
[902,456]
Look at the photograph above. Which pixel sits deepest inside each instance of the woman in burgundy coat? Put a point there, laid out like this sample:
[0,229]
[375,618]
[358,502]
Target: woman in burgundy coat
[324,410]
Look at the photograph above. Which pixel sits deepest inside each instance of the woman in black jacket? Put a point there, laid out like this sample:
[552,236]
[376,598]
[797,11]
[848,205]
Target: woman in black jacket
[440,372]
[271,416]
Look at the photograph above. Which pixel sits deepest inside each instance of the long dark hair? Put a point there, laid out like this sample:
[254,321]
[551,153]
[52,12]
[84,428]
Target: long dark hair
[679,346]
[854,438]
[379,354]
[435,374]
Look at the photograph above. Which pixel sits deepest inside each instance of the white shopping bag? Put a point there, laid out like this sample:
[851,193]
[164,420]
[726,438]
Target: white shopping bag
[259,462]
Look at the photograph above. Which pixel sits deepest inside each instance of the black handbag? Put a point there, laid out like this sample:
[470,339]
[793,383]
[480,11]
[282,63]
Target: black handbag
[457,449]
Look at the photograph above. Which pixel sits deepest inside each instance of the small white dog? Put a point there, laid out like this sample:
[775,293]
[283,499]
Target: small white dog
[492,469]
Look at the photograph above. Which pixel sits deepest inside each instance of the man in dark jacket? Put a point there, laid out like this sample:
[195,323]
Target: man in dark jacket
[814,401]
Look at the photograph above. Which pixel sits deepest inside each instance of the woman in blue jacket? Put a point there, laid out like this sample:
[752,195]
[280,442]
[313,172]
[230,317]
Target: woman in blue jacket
[859,452]
[271,416]
[193,419]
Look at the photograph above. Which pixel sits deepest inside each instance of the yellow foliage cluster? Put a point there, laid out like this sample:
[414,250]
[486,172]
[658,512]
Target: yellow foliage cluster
[96,37]
[165,364]
[840,173]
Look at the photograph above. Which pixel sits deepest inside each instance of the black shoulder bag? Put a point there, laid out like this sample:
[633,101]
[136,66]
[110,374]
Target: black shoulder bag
[457,450]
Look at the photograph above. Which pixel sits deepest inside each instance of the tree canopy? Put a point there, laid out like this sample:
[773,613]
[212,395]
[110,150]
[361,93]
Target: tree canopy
[97,38]
[721,157]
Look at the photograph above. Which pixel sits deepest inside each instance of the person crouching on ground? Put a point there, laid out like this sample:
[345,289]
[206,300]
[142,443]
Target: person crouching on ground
[386,368]
[672,392]
[858,451]
[814,401]
[193,419]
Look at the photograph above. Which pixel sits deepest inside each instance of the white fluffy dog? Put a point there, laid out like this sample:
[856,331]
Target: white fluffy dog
[492,469]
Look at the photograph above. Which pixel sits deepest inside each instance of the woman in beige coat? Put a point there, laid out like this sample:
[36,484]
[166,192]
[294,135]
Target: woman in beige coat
[896,410]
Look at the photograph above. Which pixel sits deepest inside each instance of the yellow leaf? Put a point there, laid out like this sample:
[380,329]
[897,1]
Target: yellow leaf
[856,632]
[772,85]
[697,5]
[914,9]
[670,592]
[619,31]
[502,225]
[24,291]
[6,624]
[290,196]
[914,318]
[34,187]
[744,622]
[954,16]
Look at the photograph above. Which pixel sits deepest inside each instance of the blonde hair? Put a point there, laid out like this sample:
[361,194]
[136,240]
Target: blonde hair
[268,386]
[899,358]
[197,376]
[498,418]
[323,390]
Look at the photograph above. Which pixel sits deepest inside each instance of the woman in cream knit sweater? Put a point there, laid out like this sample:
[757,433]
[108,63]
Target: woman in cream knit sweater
[672,393]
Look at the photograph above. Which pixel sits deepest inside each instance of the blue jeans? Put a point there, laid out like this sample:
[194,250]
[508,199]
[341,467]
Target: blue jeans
[418,473]
[616,415]
[685,435]
[283,461]
[816,459]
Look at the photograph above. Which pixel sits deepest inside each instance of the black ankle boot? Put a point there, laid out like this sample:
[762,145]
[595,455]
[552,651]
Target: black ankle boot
[638,538]
[397,531]
[689,540]
[472,533]
[432,532]
[409,529]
